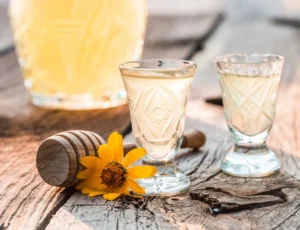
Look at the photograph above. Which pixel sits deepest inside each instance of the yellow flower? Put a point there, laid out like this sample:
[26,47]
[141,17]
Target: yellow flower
[110,174]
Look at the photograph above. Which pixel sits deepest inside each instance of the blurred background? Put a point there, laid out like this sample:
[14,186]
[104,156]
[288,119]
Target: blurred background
[197,30]
[181,21]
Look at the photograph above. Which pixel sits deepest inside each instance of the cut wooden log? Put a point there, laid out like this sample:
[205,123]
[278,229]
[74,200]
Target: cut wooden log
[25,199]
[252,203]
[271,203]
[26,202]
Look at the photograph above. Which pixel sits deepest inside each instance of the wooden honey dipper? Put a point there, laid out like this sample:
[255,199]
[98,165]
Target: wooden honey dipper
[58,156]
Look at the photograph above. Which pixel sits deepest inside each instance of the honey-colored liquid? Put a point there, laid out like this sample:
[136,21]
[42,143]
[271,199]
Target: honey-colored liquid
[249,101]
[157,108]
[72,48]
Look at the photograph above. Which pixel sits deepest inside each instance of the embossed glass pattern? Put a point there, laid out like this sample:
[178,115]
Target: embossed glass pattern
[157,92]
[70,50]
[249,84]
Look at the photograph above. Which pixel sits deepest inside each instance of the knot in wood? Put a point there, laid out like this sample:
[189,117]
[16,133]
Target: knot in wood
[113,175]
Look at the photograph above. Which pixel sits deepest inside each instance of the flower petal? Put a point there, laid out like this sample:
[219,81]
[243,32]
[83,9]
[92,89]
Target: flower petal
[106,154]
[91,162]
[133,156]
[88,173]
[92,192]
[96,193]
[84,174]
[142,171]
[87,190]
[115,141]
[92,183]
[111,196]
[135,186]
[122,189]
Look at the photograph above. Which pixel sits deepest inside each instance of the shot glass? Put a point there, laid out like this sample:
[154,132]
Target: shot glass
[249,84]
[157,92]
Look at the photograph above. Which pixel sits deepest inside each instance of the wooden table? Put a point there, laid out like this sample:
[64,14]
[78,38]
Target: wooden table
[26,202]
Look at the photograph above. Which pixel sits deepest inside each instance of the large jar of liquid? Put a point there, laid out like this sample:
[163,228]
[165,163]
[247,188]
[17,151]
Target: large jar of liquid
[69,51]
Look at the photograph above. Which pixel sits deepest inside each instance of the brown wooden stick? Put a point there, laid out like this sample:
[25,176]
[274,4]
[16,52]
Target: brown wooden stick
[194,139]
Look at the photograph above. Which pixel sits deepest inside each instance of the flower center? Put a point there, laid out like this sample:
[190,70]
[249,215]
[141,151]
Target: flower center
[113,175]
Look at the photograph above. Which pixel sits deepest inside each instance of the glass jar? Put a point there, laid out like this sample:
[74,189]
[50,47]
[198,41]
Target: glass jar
[69,51]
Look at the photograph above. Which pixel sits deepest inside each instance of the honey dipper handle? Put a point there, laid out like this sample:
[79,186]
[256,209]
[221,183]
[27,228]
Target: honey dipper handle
[194,139]
[128,147]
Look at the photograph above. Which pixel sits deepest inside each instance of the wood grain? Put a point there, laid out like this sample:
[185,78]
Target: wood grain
[26,202]
[246,39]
[25,199]
[255,200]
[6,41]
[250,203]
[271,203]
[58,157]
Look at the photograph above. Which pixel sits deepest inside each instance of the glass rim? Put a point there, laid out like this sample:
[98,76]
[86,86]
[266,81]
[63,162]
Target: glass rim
[217,59]
[128,65]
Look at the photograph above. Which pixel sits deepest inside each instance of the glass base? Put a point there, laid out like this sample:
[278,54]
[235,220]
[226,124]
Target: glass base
[76,102]
[250,161]
[169,180]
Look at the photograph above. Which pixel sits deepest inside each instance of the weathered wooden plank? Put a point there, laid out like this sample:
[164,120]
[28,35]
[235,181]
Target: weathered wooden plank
[285,142]
[153,213]
[6,40]
[264,37]
[248,28]
[170,51]
[180,41]
[26,202]
[203,168]
[179,29]
[275,201]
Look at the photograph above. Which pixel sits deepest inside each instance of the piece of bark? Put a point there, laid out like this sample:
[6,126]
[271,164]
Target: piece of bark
[220,202]
[237,194]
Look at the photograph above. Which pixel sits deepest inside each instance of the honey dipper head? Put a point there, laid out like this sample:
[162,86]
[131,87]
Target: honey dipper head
[58,156]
